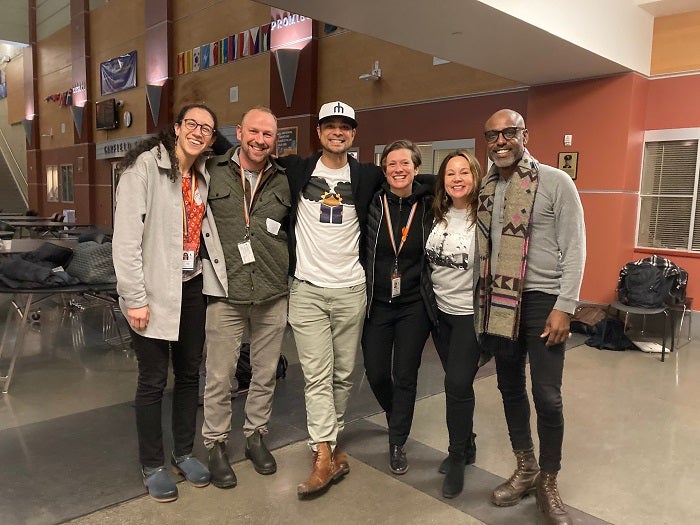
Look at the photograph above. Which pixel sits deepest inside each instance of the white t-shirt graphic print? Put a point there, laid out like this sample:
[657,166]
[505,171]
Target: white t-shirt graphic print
[328,231]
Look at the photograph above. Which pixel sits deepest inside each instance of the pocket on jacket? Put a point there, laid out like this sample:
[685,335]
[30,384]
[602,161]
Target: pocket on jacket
[218,205]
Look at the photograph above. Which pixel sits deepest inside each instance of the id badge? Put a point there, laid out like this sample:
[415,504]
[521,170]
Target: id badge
[246,251]
[395,285]
[188,259]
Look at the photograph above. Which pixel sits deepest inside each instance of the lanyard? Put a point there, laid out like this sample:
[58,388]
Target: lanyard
[246,205]
[187,199]
[404,230]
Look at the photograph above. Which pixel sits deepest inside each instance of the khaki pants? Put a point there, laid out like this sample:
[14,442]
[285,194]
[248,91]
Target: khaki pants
[327,326]
[226,324]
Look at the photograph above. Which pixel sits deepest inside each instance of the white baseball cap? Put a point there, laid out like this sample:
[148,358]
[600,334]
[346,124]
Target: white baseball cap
[337,109]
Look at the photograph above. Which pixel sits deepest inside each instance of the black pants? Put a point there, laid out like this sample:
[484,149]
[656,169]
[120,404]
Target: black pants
[458,349]
[546,369]
[153,357]
[392,344]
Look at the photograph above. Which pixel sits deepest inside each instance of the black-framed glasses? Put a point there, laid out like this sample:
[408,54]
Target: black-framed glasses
[191,124]
[508,134]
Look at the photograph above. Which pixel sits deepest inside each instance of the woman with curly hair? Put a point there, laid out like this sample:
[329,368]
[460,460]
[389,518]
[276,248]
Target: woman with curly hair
[161,200]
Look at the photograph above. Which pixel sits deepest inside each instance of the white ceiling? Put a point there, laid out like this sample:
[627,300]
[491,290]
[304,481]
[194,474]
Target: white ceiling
[533,42]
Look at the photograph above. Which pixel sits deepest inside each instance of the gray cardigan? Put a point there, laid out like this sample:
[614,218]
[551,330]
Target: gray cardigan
[148,241]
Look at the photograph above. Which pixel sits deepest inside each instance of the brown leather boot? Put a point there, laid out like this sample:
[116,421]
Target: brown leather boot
[520,483]
[323,471]
[548,500]
[340,462]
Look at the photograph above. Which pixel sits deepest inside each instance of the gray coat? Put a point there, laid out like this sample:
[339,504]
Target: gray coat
[147,241]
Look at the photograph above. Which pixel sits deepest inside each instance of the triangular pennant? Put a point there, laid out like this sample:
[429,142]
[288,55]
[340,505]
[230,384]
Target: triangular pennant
[153,94]
[287,64]
[27,125]
[78,119]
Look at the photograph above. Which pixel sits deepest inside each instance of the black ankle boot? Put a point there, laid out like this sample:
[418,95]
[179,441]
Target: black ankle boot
[222,474]
[454,478]
[398,463]
[256,451]
[469,456]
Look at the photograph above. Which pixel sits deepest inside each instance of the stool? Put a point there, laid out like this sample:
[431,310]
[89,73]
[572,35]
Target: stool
[638,310]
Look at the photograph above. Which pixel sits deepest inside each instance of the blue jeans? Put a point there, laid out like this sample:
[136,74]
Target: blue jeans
[546,369]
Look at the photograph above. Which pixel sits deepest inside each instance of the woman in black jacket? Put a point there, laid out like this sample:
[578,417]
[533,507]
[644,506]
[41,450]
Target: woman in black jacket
[399,310]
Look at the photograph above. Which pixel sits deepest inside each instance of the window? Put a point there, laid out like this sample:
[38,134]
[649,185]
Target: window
[668,211]
[59,183]
[52,183]
[432,153]
[66,183]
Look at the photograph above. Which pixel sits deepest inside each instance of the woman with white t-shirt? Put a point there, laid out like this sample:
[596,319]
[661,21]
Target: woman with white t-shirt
[451,253]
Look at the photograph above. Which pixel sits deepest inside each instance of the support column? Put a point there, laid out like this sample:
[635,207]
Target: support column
[31,119]
[293,76]
[159,67]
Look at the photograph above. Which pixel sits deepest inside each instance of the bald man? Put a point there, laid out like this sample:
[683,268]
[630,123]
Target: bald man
[524,309]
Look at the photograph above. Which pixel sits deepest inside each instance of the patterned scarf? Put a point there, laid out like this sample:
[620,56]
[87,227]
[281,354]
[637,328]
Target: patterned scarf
[500,294]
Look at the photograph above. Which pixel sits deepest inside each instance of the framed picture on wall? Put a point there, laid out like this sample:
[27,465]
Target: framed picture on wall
[568,162]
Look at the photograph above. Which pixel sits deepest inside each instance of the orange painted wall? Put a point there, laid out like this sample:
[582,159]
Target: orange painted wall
[676,44]
[606,119]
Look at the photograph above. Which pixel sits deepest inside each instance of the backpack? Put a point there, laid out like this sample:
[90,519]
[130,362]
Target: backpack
[651,283]
[244,372]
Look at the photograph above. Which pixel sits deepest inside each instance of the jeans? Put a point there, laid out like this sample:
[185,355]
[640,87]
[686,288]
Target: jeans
[153,357]
[392,344]
[546,370]
[458,349]
[327,326]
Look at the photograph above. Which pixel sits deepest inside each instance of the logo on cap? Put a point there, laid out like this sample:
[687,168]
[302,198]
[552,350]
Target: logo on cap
[337,109]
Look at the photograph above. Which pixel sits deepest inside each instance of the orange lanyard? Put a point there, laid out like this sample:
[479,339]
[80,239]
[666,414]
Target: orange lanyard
[246,205]
[404,230]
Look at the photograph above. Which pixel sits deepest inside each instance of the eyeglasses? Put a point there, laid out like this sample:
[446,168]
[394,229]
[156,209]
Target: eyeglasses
[508,134]
[191,125]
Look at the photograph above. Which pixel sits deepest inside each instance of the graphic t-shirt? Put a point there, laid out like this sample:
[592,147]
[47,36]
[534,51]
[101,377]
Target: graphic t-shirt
[328,231]
[449,251]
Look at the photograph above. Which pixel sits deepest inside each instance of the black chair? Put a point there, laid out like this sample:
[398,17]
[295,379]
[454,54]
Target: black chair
[6,231]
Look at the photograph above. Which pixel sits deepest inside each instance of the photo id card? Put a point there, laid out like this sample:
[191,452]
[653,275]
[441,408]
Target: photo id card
[395,285]
[188,260]
[246,251]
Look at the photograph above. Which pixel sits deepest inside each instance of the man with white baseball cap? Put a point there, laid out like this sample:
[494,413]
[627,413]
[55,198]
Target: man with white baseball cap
[331,192]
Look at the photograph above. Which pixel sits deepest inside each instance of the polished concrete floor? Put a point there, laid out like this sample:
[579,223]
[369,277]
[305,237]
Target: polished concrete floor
[67,443]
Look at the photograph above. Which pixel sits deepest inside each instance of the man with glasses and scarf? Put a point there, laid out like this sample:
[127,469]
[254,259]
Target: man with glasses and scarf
[531,240]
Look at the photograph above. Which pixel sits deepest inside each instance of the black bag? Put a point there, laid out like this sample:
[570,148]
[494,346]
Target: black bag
[609,334]
[244,371]
[651,283]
